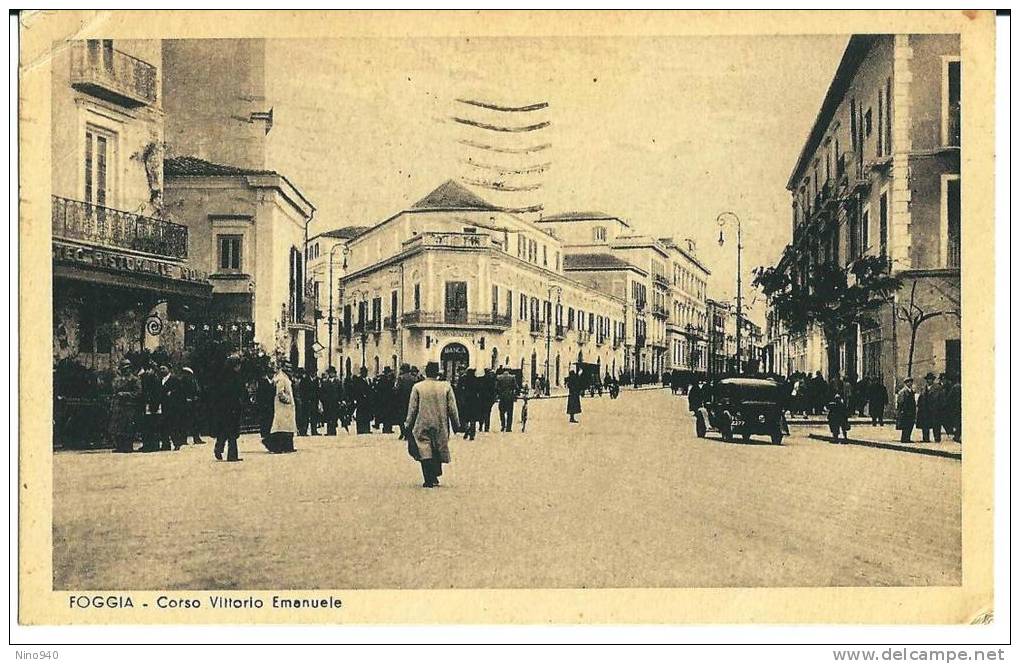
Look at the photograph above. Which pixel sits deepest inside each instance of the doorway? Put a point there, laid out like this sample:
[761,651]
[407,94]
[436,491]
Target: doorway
[453,359]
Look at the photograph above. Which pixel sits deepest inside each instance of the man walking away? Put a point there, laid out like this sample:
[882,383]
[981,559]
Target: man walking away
[430,411]
[878,398]
[468,385]
[906,409]
[838,417]
[228,407]
[361,397]
[405,381]
[172,413]
[487,398]
[506,392]
[385,394]
[575,386]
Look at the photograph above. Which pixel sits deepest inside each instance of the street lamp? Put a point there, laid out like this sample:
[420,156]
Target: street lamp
[346,251]
[548,331]
[721,220]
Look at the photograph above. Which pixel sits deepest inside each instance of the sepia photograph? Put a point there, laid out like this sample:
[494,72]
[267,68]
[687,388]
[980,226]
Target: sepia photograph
[377,310]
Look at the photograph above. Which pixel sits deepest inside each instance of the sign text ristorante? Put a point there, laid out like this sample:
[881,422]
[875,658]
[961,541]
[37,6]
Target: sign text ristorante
[115,261]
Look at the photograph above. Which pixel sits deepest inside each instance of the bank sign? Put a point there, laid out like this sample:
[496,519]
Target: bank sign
[124,263]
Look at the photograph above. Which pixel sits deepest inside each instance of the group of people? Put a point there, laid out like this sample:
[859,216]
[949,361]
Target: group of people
[934,407]
[153,402]
[812,395]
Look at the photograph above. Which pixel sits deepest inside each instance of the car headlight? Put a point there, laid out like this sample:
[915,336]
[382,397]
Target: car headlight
[761,419]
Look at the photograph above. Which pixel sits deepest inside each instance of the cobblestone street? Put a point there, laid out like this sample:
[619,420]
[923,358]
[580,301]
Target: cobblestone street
[619,500]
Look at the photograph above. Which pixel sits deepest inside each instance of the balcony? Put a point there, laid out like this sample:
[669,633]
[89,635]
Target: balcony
[639,341]
[374,326]
[561,332]
[661,280]
[460,241]
[112,75]
[583,336]
[600,339]
[390,322]
[536,327]
[419,319]
[660,311]
[95,224]
[359,327]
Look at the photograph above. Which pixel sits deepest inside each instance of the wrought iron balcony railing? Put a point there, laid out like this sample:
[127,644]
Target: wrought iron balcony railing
[583,336]
[561,331]
[536,326]
[390,322]
[420,318]
[660,310]
[77,220]
[107,73]
[639,340]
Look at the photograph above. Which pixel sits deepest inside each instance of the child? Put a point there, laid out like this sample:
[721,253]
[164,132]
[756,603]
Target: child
[524,407]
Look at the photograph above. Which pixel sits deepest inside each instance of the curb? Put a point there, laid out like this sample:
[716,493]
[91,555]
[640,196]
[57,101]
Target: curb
[892,446]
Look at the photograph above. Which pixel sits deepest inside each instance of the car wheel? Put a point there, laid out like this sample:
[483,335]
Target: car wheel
[726,427]
[699,426]
[747,437]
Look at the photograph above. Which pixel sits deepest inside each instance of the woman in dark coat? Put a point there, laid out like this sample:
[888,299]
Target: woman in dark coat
[575,385]
[125,408]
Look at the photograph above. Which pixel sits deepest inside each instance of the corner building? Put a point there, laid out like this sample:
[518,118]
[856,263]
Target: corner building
[457,280]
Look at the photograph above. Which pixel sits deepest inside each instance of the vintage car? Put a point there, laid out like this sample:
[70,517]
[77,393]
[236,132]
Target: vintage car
[743,406]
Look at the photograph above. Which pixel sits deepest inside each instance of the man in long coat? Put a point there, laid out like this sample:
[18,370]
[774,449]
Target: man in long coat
[385,399]
[575,385]
[195,416]
[124,408]
[431,410]
[229,399]
[405,381]
[284,414]
[878,398]
[930,406]
[906,409]
[330,393]
[506,391]
[361,396]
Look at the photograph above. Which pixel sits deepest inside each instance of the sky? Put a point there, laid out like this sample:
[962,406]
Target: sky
[665,132]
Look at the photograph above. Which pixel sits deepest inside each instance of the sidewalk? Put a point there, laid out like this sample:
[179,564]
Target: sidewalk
[561,392]
[887,437]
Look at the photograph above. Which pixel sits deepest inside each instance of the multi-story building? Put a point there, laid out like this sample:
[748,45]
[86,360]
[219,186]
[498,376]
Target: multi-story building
[457,280]
[326,257]
[124,273]
[662,283]
[248,222]
[879,175]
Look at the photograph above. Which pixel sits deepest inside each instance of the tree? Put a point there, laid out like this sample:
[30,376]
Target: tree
[915,315]
[834,299]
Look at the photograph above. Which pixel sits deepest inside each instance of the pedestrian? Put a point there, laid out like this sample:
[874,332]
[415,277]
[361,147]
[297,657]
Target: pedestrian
[402,394]
[385,399]
[307,405]
[284,413]
[152,408]
[878,398]
[525,395]
[361,397]
[124,408]
[431,410]
[906,409]
[265,399]
[574,389]
[228,408]
[330,393]
[192,403]
[468,402]
[172,411]
[486,399]
[506,392]
[953,408]
[694,397]
[838,417]
[929,409]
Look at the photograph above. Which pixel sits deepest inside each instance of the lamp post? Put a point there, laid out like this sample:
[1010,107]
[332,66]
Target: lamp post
[346,251]
[548,331]
[721,220]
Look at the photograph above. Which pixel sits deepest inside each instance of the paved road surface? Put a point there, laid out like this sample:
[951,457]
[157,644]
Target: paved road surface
[621,500]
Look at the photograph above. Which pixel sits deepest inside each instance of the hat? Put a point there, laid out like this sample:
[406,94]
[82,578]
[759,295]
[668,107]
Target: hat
[929,376]
[188,369]
[908,379]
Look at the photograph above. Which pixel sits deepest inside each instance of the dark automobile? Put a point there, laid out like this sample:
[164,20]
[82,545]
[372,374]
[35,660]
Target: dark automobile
[743,406]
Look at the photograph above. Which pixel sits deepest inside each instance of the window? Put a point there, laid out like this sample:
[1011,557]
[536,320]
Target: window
[393,305]
[951,238]
[545,255]
[495,301]
[951,101]
[867,123]
[600,233]
[456,302]
[883,225]
[570,318]
[888,116]
[229,253]
[523,311]
[865,231]
[376,311]
[417,297]
[99,158]
[509,304]
[881,129]
[557,261]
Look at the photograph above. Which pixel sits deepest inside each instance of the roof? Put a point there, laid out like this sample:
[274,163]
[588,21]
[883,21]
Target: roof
[452,195]
[581,216]
[185,166]
[594,262]
[345,232]
[188,166]
[856,49]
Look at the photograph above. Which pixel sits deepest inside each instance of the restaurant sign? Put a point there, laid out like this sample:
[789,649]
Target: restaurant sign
[123,262]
